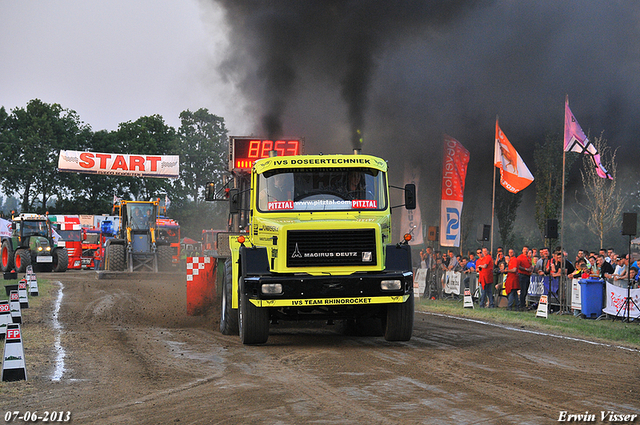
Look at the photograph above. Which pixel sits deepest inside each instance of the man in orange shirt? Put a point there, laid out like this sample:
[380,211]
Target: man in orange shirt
[524,275]
[484,265]
[512,283]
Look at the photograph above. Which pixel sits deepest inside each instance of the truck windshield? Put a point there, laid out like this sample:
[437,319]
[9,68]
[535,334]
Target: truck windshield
[70,235]
[34,228]
[141,216]
[322,189]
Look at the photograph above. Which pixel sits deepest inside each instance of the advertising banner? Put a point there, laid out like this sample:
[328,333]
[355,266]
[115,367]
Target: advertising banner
[161,166]
[411,220]
[454,172]
[616,305]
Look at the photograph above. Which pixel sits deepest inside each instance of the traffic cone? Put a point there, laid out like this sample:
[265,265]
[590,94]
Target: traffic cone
[22,294]
[5,317]
[14,302]
[13,366]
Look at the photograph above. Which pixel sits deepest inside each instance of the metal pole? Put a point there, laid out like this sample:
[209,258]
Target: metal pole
[493,197]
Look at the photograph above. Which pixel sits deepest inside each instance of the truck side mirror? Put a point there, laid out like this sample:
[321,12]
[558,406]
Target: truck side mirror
[210,192]
[410,196]
[234,201]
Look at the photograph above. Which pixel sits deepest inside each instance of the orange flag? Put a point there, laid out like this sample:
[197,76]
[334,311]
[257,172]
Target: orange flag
[514,174]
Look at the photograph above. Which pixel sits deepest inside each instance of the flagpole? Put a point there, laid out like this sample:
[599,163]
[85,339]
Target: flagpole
[493,197]
[562,264]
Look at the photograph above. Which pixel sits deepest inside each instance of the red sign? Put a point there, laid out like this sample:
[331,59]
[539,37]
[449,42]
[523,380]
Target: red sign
[5,308]
[13,334]
[14,296]
[361,204]
[286,205]
[22,285]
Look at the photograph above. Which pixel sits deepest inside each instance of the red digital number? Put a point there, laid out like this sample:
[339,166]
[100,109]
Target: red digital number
[267,145]
[254,149]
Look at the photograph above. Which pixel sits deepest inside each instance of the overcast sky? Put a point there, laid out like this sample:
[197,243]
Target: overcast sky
[115,61]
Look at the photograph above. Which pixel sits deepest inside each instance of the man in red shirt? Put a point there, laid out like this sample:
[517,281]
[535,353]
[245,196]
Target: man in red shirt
[524,275]
[484,265]
[512,283]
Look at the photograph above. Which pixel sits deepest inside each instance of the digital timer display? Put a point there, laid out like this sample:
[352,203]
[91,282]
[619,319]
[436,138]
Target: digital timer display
[245,151]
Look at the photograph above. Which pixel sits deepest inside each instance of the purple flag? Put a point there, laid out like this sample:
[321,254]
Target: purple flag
[576,141]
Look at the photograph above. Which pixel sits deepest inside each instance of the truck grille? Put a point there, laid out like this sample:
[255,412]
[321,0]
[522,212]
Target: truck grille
[315,248]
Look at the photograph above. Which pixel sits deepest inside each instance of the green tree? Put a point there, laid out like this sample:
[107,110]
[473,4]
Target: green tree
[548,161]
[146,136]
[506,208]
[604,201]
[203,152]
[33,138]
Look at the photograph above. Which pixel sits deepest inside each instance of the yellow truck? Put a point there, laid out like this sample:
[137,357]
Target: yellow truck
[317,245]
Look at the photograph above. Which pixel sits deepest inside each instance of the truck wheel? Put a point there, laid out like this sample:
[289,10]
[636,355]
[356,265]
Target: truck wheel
[165,258]
[22,260]
[60,260]
[115,258]
[398,324]
[253,322]
[228,316]
[6,257]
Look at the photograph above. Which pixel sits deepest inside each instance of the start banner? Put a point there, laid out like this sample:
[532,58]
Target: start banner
[161,166]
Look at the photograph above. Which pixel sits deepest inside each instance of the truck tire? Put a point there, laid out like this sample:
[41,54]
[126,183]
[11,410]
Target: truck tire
[22,259]
[228,316]
[165,258]
[253,322]
[60,260]
[115,258]
[6,257]
[398,324]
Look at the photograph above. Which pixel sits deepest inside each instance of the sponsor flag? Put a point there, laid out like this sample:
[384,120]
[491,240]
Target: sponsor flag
[412,219]
[576,141]
[514,174]
[454,172]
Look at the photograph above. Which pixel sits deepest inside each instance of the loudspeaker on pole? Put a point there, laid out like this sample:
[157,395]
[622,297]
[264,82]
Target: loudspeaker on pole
[629,224]
[551,229]
[484,232]
[433,233]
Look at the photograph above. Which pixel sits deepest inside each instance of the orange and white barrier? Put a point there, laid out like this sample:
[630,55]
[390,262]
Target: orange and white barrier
[13,365]
[5,317]
[22,294]
[14,303]
[201,284]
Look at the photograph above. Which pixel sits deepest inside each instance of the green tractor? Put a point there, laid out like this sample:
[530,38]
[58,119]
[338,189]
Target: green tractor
[29,240]
[136,246]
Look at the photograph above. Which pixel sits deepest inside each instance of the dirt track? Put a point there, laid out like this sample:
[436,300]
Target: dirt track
[133,356]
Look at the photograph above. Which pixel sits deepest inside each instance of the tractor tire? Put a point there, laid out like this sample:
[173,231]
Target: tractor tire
[165,258]
[6,257]
[60,260]
[228,316]
[115,258]
[398,324]
[22,259]
[253,322]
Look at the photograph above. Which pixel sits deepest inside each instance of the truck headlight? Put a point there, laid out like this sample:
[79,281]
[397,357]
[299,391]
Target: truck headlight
[391,285]
[48,248]
[39,248]
[272,288]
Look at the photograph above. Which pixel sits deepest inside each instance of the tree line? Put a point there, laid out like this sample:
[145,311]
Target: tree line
[31,138]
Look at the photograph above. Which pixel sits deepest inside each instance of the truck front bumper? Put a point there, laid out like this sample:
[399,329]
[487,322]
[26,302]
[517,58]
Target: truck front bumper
[329,291]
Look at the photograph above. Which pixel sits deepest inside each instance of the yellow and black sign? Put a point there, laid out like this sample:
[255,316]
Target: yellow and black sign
[310,302]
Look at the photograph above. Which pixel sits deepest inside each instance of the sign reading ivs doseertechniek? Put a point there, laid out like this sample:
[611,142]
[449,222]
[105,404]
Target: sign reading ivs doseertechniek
[161,166]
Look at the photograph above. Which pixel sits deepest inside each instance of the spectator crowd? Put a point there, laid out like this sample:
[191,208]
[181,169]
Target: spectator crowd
[509,273]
